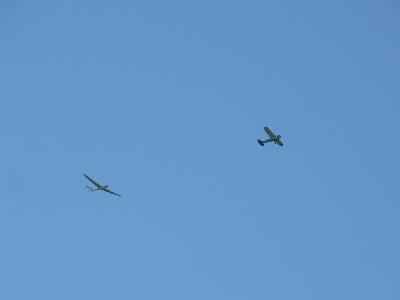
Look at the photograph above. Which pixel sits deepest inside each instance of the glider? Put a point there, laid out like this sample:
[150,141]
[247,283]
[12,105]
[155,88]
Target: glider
[272,138]
[99,187]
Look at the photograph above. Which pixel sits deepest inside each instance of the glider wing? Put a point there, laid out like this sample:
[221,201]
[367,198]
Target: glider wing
[92,181]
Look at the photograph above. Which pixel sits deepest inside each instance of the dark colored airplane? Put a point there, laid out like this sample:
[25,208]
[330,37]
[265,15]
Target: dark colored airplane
[99,187]
[272,138]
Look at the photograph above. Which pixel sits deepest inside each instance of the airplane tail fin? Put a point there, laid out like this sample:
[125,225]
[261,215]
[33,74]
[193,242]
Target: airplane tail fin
[90,189]
[260,142]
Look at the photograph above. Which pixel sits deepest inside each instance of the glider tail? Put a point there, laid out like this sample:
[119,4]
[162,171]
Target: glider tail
[90,189]
[260,142]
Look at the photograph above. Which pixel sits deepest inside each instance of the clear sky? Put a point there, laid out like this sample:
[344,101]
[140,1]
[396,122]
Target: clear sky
[164,101]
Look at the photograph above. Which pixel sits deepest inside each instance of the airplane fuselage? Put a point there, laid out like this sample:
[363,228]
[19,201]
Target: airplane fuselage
[277,138]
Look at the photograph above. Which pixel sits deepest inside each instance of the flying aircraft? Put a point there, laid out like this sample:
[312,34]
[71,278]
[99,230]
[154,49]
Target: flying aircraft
[99,187]
[272,138]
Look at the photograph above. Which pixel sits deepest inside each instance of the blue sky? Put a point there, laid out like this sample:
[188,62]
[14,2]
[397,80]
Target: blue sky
[164,101]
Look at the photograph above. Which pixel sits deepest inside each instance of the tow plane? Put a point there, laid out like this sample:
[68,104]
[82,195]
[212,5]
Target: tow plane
[99,187]
[272,138]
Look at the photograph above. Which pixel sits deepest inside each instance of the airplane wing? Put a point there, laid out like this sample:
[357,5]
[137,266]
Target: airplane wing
[279,142]
[111,192]
[269,132]
[92,181]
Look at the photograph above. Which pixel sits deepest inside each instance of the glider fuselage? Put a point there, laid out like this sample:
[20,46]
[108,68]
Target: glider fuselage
[100,188]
